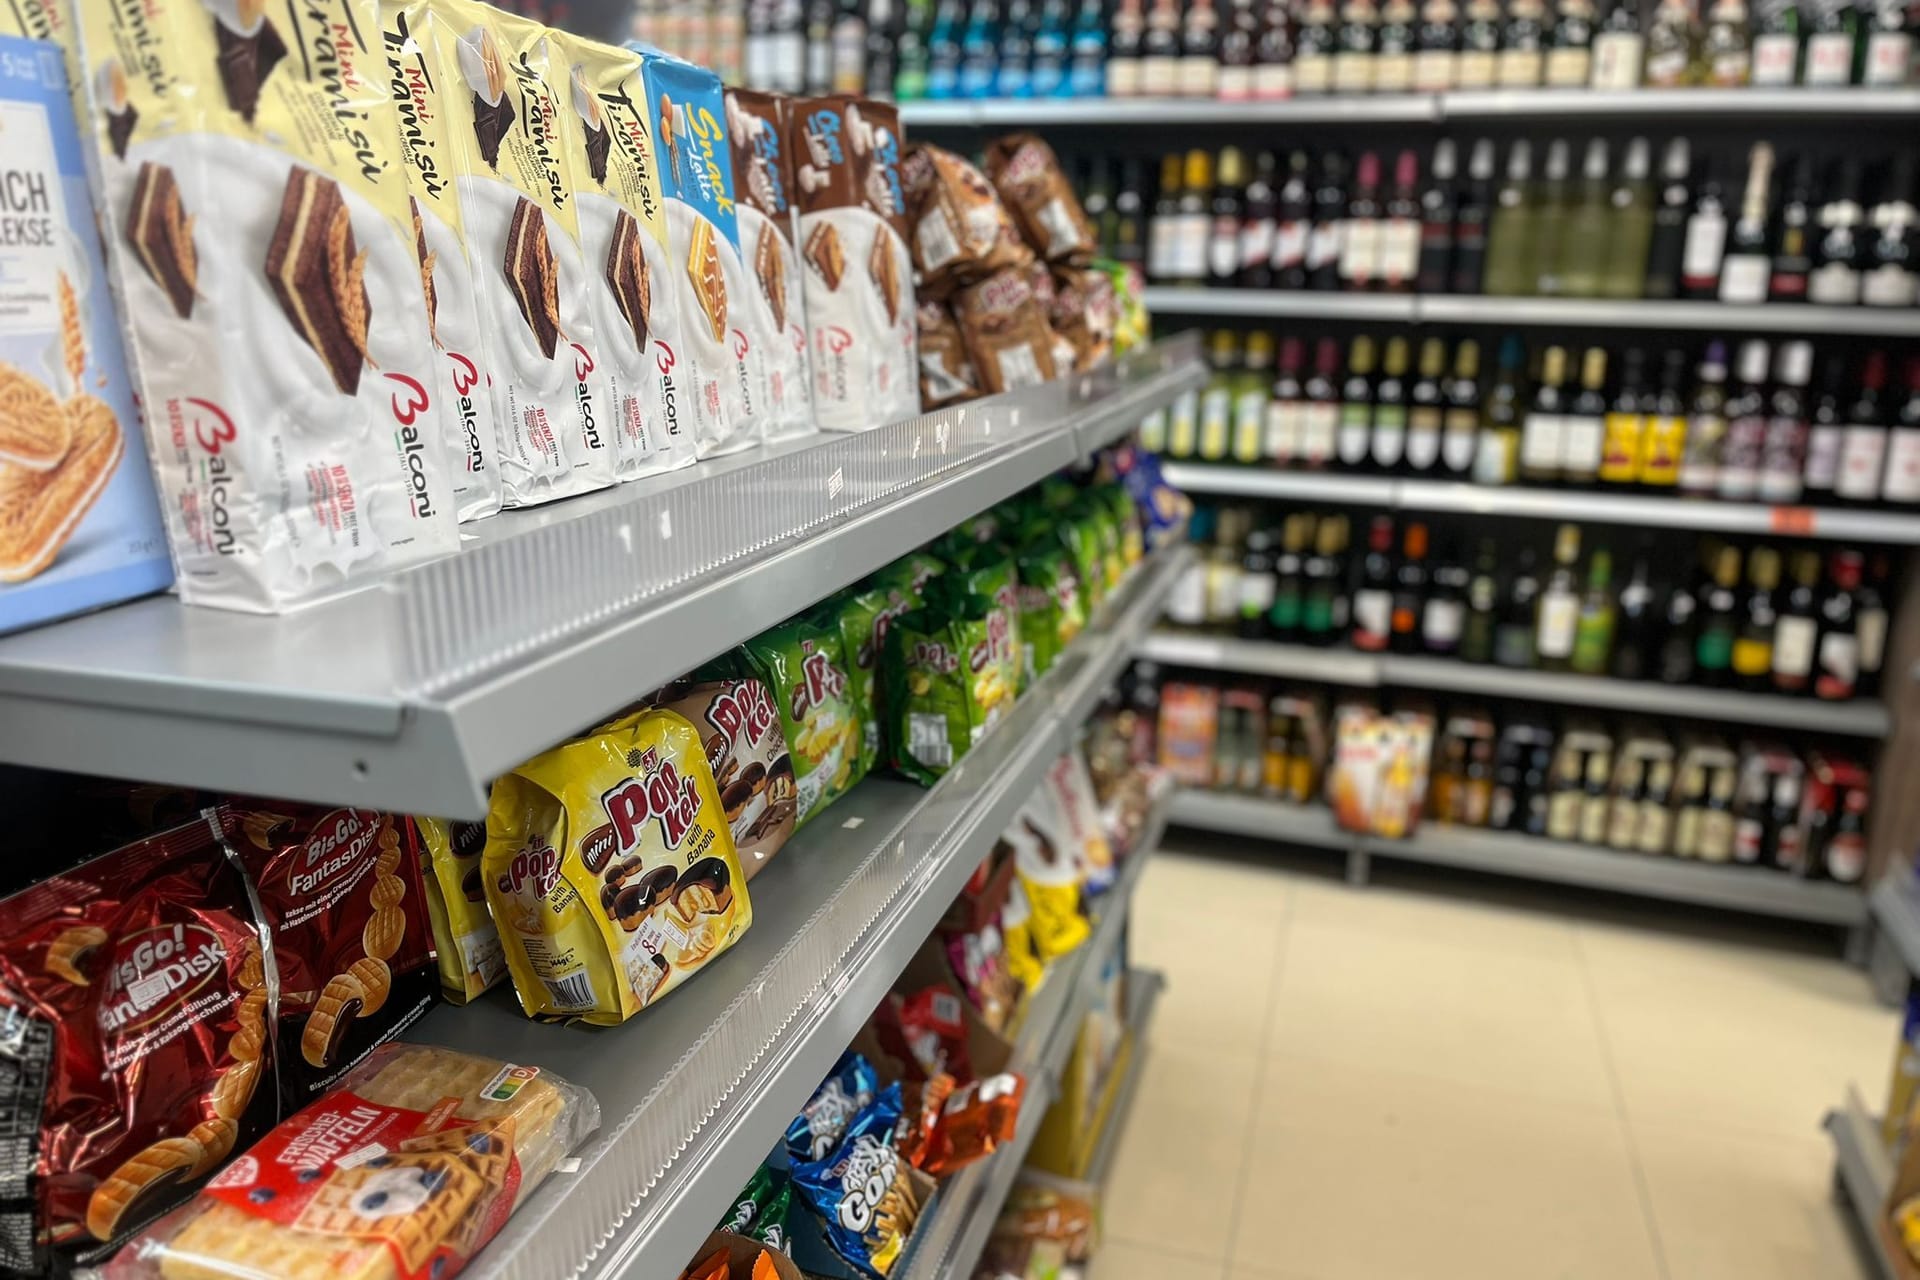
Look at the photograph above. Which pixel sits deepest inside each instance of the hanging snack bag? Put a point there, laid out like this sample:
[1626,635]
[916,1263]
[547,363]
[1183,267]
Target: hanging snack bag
[610,870]
[759,128]
[1028,177]
[952,669]
[464,936]
[749,759]
[804,666]
[405,1171]
[1005,331]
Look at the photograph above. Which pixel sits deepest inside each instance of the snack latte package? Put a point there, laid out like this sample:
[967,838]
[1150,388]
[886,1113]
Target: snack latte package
[264,254]
[623,228]
[487,74]
[610,869]
[763,173]
[859,275]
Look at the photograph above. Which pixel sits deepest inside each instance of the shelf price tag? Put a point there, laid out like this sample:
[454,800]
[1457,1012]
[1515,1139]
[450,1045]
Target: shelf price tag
[1793,521]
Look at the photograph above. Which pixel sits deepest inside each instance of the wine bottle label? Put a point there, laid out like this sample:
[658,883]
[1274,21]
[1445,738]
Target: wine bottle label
[1839,665]
[1153,432]
[1236,83]
[1399,250]
[1793,640]
[1325,243]
[1620,456]
[1159,247]
[1563,815]
[1159,77]
[1582,440]
[1199,77]
[1752,656]
[1739,477]
[1460,437]
[1713,648]
[1289,244]
[1273,80]
[1543,443]
[1392,72]
[1700,464]
[1433,70]
[1256,243]
[1360,251]
[1442,623]
[1706,243]
[1216,421]
[1285,425]
[1423,438]
[1568,68]
[1187,602]
[1223,250]
[1829,59]
[1870,637]
[1775,59]
[1355,423]
[1185,425]
[1559,614]
[1518,68]
[1319,427]
[1123,77]
[1352,72]
[1834,284]
[1665,442]
[1656,822]
[1847,856]
[1476,68]
[1902,484]
[1781,460]
[1372,618]
[1616,60]
[1249,425]
[1743,277]
[1667,68]
[1312,73]
[1888,55]
[1493,458]
[1190,245]
[1889,285]
[1389,435]
[1256,594]
[1863,454]
[1822,471]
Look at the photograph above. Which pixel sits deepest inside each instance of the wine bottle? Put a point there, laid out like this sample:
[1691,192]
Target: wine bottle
[1719,602]
[1826,428]
[1706,425]
[1353,56]
[1389,442]
[1166,220]
[1583,430]
[1426,411]
[1796,627]
[1748,263]
[1257,226]
[1570,47]
[1436,47]
[1496,458]
[1320,415]
[1511,232]
[1313,49]
[1673,44]
[1356,406]
[1326,243]
[1126,41]
[1888,58]
[1891,273]
[1629,229]
[1776,44]
[1394,48]
[1409,591]
[1754,635]
[1239,34]
[1252,388]
[1559,611]
[1522,45]
[1360,239]
[1726,49]
[1373,597]
[1293,224]
[1792,237]
[1483,602]
[1667,244]
[1443,620]
[1478,64]
[1593,628]
[1746,438]
[1634,649]
[1273,54]
[1160,51]
[1287,407]
[1584,247]
[1438,210]
[1836,668]
[1470,221]
[1619,48]
[1784,459]
[1863,444]
[1229,214]
[1199,50]
[1835,278]
[1513,644]
[1902,485]
[1543,438]
[1831,42]
[1706,241]
[1666,436]
[1400,229]
[1626,423]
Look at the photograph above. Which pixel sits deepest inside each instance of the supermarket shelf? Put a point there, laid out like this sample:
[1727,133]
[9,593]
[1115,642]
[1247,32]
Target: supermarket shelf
[1263,658]
[1143,994]
[695,1091]
[1309,825]
[412,696]
[1126,619]
[1678,104]
[1330,487]
[1863,1174]
[1281,304]
[1895,903]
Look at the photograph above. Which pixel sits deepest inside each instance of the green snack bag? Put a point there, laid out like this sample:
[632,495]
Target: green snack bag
[803,664]
[951,671]
[1133,540]
[986,572]
[984,527]
[863,615]
[770,1226]
[751,1204]
[1057,493]
[910,573]
[1052,611]
[1090,510]
[1083,544]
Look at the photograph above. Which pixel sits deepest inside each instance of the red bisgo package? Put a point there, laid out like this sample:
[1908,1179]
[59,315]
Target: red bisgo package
[352,938]
[133,1046]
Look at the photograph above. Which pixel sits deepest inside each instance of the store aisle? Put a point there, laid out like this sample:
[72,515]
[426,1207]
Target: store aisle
[1440,1076]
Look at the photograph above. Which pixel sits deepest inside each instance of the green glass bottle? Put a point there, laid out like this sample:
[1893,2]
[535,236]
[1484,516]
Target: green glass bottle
[1630,229]
[1252,386]
[1216,402]
[1593,632]
[1483,604]
[1510,233]
[1584,247]
[1550,219]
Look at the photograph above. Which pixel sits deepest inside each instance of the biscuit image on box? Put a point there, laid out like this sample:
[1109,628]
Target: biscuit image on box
[770,267]
[627,277]
[39,510]
[34,433]
[886,275]
[413,1203]
[486,76]
[318,274]
[427,259]
[110,86]
[826,255]
[250,47]
[599,141]
[532,274]
[709,286]
[161,234]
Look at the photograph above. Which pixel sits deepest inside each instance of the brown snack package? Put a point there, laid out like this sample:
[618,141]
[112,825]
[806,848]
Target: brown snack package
[1028,177]
[1046,295]
[740,731]
[947,375]
[1083,313]
[961,231]
[1005,331]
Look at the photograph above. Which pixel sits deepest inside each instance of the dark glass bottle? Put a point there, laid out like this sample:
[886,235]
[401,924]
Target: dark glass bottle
[1373,597]
[1444,620]
[1470,221]
[1285,615]
[1326,241]
[1438,210]
[1239,34]
[1257,585]
[1409,590]
[1891,267]
[1636,630]
[1483,604]
[1668,243]
[1796,629]
[1130,215]
[1513,636]
[1706,241]
[1753,640]
[1229,214]
[1258,225]
[1719,620]
[1678,627]
[1839,240]
[1293,223]
[1836,674]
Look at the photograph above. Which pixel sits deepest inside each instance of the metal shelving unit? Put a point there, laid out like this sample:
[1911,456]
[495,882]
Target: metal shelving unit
[1862,1176]
[1331,487]
[1680,104]
[1309,826]
[1262,658]
[1391,108]
[1277,304]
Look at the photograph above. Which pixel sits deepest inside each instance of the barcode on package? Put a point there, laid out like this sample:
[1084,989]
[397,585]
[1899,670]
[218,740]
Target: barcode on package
[927,740]
[938,244]
[575,991]
[1019,367]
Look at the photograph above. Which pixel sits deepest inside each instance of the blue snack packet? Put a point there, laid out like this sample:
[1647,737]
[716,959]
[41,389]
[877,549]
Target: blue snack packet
[861,1191]
[844,1094]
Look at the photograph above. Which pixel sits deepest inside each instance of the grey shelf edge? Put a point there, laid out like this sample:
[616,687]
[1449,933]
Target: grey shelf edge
[1263,658]
[1311,826]
[1864,1174]
[1280,304]
[1296,486]
[1895,904]
[1143,995]
[1668,104]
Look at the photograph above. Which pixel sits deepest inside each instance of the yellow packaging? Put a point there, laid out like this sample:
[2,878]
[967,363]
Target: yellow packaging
[611,871]
[471,960]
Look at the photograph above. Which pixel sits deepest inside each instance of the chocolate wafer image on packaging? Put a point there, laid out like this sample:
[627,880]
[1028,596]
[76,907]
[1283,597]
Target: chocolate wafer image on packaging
[627,276]
[110,87]
[250,47]
[161,233]
[532,274]
[825,254]
[319,275]
[884,273]
[493,114]
[593,122]
[771,270]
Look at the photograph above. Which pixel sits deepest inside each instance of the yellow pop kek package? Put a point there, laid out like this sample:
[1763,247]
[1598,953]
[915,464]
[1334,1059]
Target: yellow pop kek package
[464,935]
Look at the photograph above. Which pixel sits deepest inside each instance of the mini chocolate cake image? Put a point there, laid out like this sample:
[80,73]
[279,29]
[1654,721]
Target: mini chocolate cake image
[770,267]
[482,65]
[110,84]
[249,48]
[427,258]
[318,275]
[594,120]
[161,234]
[532,274]
[886,277]
[627,277]
[825,253]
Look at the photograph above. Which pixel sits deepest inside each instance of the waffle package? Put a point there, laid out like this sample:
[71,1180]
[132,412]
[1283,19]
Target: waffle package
[759,130]
[859,275]
[254,200]
[465,940]
[135,1047]
[610,870]
[403,1172]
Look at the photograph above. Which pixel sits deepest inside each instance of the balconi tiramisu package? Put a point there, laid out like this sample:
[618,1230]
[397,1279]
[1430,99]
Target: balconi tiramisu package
[763,178]
[551,396]
[256,211]
[859,276]
[623,230]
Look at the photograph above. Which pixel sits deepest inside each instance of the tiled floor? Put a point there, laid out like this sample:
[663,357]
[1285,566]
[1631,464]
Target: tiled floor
[1447,1076]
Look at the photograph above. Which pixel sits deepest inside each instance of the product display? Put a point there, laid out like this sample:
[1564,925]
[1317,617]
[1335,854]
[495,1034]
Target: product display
[760,129]
[465,938]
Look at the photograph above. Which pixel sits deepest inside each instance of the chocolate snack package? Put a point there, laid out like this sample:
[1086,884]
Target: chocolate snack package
[1005,330]
[763,172]
[253,199]
[465,940]
[134,1017]
[961,231]
[947,374]
[696,176]
[351,939]
[1082,312]
[859,275]
[1028,177]
[740,729]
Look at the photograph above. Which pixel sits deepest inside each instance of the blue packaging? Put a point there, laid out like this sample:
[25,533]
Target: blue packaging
[849,1190]
[79,524]
[847,1091]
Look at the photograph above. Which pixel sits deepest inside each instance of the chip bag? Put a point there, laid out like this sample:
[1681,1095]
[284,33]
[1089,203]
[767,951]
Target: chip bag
[464,935]
[862,1192]
[976,1119]
[804,665]
[747,753]
[1050,874]
[1088,552]
[1052,610]
[950,673]
[848,1090]
[611,871]
[1016,926]
[863,616]
[1069,791]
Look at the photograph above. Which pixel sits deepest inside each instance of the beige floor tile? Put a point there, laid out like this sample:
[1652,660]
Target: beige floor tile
[1214,930]
[1178,1164]
[1484,922]
[1119,1260]
[1735,1206]
[1371,1173]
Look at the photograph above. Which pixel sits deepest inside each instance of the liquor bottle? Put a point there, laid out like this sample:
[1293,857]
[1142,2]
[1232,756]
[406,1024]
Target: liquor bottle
[1160,51]
[1633,650]
[1523,39]
[1326,242]
[1313,48]
[1285,616]
[1713,642]
[1356,406]
[1223,570]
[1496,458]
[1593,628]
[1426,414]
[1776,44]
[1845,857]
[1626,423]
[1478,66]
[1706,241]
[1826,428]
[1360,240]
[1831,37]
[1126,49]
[1679,625]
[1394,47]
[1400,229]
[1293,221]
[1510,234]
[1257,226]
[1513,634]
[1570,49]
[1629,229]
[1389,442]
[1252,387]
[1746,438]
[1165,222]
[1287,408]
[1836,666]
[1667,245]
[758,51]
[1619,48]
[1437,213]
[1320,415]
[1470,221]
[1863,444]
[1726,49]
[1748,264]
[1888,58]
[1257,586]
[1444,619]
[1087,51]
[945,50]
[1373,598]
[1436,47]
[1194,222]
[1353,54]
[1793,238]
[1239,34]
[1483,602]
[1585,245]
[1673,43]
[1130,235]
[1550,215]
[1796,628]
[1891,270]
[1783,461]
[1902,485]
[914,57]
[1559,610]
[1583,429]
[1706,426]
[1323,616]
[1543,439]
[1273,53]
[1096,199]
[1199,50]
[1409,590]
[1870,622]
[979,51]
[1229,214]
[1753,640]
[1050,49]
[1835,278]
[1666,437]
[1216,399]
[1460,429]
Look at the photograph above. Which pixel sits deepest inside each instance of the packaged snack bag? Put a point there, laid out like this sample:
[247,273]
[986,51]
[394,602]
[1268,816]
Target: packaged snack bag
[862,1192]
[864,614]
[848,1090]
[760,131]
[952,669]
[1005,331]
[1052,613]
[1089,555]
[72,457]
[947,375]
[760,1211]
[405,1171]
[610,870]
[342,901]
[1082,311]
[961,231]
[749,759]
[986,571]
[1070,790]
[134,1002]
[464,936]
[1028,177]
[1126,518]
[268,271]
[804,665]
[1050,875]
[976,1119]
